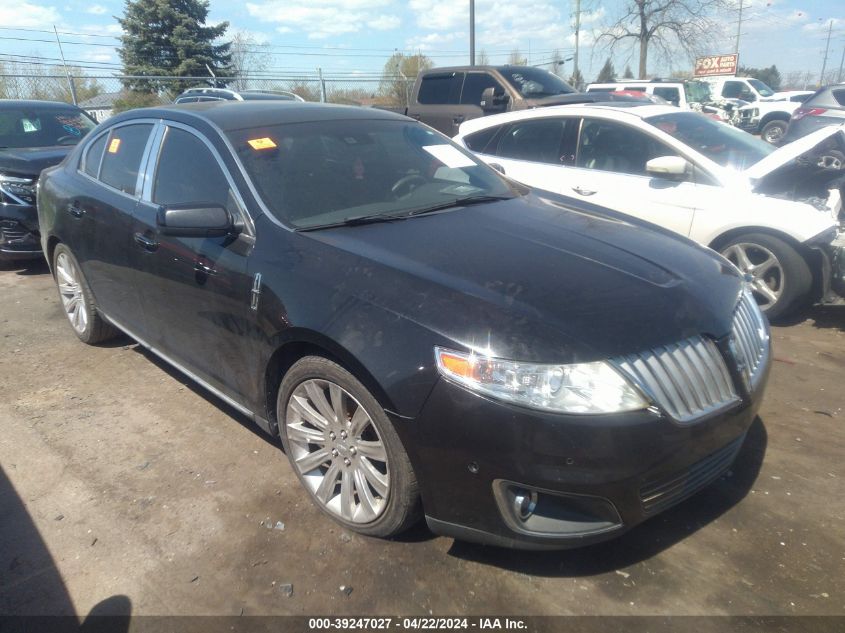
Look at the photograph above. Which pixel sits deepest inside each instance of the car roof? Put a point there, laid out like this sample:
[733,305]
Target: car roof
[622,110]
[7,104]
[235,115]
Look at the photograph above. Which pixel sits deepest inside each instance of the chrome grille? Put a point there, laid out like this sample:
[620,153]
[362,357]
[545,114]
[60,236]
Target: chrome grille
[687,379]
[750,338]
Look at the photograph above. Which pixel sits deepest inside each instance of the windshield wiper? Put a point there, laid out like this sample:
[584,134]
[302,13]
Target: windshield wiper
[457,202]
[356,221]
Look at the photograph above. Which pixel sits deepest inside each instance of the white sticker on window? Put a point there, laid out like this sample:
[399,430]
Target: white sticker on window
[449,156]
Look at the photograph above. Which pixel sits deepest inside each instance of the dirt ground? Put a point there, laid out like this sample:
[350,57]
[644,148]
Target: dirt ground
[120,479]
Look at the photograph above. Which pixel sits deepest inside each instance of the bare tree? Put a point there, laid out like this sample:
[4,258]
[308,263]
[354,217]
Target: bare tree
[249,56]
[483,58]
[668,26]
[516,58]
[398,76]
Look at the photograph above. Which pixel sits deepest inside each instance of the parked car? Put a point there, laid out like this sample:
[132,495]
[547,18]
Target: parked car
[33,135]
[825,107]
[686,94]
[195,95]
[420,331]
[769,119]
[730,88]
[446,97]
[683,171]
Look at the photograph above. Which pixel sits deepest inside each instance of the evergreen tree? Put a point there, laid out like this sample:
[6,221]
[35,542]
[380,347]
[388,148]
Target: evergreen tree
[606,74]
[629,74]
[170,38]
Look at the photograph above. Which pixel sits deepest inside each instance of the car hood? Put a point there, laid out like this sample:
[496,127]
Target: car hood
[29,161]
[543,279]
[794,150]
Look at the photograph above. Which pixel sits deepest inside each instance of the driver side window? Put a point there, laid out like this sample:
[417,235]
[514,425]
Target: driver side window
[188,173]
[613,147]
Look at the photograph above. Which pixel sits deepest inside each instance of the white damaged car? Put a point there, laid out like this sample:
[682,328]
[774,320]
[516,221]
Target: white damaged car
[772,212]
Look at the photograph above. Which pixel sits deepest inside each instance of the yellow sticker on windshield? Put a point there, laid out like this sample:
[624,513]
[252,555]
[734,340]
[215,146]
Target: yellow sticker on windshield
[114,146]
[261,143]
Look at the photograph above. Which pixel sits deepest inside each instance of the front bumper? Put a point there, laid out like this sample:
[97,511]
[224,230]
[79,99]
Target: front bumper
[594,477]
[19,236]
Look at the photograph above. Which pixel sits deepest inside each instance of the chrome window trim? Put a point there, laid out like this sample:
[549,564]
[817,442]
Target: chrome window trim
[250,185]
[136,196]
[152,167]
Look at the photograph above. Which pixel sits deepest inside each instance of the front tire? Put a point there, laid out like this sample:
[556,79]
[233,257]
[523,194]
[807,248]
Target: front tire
[773,132]
[344,449]
[77,299]
[781,278]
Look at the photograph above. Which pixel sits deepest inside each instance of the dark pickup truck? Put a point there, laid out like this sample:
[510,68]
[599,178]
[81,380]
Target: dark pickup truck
[446,97]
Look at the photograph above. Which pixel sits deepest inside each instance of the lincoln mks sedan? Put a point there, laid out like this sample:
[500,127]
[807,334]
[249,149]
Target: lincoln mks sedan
[427,337]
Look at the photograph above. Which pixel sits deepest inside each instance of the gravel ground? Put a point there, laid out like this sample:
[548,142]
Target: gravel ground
[119,477]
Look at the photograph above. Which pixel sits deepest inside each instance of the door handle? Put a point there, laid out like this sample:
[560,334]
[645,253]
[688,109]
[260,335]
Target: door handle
[583,192]
[147,243]
[75,210]
[201,266]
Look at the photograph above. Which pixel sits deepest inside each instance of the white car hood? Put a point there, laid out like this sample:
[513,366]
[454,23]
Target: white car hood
[791,151]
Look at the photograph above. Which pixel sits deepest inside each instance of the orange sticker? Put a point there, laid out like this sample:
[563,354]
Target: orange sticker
[261,143]
[114,146]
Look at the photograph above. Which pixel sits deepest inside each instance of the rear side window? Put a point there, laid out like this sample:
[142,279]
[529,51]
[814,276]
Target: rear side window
[187,172]
[481,141]
[671,95]
[122,157]
[475,84]
[94,155]
[839,95]
[538,140]
[440,88]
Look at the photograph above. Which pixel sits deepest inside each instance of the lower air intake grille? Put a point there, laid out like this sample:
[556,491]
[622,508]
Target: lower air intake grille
[658,495]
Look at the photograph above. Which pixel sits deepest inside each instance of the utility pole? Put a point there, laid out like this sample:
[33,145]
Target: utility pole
[841,64]
[577,35]
[826,50]
[472,32]
[64,63]
[739,29]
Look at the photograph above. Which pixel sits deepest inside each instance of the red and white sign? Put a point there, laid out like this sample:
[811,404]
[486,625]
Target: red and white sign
[716,65]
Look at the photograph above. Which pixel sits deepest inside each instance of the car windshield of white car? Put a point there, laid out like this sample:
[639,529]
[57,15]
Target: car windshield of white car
[723,144]
[320,174]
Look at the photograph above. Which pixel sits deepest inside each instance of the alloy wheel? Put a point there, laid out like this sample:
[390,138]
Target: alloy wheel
[767,276]
[774,135]
[70,290]
[338,451]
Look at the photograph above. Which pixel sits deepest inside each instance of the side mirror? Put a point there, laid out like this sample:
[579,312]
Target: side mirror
[192,220]
[497,167]
[667,166]
[493,99]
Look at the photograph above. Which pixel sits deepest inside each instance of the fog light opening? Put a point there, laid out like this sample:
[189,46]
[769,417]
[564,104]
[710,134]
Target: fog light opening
[524,503]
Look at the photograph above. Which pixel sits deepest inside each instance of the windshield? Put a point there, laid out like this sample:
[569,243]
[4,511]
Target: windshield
[762,88]
[697,91]
[324,173]
[37,127]
[724,144]
[534,83]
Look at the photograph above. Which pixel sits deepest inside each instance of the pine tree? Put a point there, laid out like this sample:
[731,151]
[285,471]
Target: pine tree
[629,74]
[606,74]
[170,38]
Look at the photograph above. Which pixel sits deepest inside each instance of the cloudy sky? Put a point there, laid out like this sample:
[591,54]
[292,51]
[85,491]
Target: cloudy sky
[347,36]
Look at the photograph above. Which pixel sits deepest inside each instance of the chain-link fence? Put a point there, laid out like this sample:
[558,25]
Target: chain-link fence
[103,96]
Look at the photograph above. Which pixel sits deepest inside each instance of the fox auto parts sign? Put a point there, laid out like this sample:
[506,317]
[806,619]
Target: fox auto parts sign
[716,65]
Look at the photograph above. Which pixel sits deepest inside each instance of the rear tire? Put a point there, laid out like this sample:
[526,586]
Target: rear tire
[773,132]
[77,300]
[344,449]
[781,277]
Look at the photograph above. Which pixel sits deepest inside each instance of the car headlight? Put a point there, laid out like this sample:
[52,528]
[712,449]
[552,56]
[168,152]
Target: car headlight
[15,190]
[576,388]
